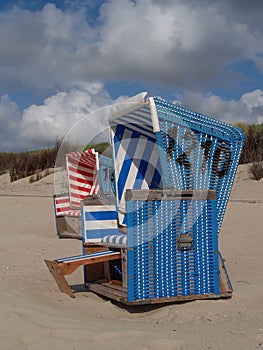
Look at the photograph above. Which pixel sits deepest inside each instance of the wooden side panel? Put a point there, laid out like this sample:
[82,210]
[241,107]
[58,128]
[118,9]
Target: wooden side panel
[55,271]
[93,273]
[68,227]
[225,288]
[124,267]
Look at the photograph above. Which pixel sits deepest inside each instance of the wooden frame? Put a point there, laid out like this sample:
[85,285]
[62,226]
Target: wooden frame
[119,293]
[60,269]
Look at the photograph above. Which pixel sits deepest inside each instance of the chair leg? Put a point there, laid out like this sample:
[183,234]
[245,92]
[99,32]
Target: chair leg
[124,266]
[58,275]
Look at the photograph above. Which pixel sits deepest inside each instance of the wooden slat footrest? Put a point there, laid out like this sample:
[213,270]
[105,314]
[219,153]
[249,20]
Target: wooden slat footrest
[66,266]
[91,258]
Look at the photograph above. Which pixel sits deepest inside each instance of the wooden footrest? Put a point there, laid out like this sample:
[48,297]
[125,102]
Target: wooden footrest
[91,258]
[66,266]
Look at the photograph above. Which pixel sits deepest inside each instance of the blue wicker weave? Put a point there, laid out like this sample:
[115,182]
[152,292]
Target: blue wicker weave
[198,152]
[158,267]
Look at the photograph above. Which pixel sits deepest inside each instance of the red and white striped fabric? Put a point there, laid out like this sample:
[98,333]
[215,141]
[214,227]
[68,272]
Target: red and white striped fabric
[82,175]
[61,205]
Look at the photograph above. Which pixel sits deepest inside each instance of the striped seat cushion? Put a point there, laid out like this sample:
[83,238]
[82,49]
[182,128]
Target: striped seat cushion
[81,257]
[61,205]
[72,213]
[115,241]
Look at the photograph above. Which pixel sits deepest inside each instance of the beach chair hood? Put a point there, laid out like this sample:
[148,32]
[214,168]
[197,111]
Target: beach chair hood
[157,144]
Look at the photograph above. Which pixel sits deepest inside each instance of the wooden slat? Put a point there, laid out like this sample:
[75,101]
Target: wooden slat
[93,272]
[120,294]
[58,275]
[69,267]
[98,200]
[61,269]
[107,273]
[151,195]
[108,291]
[124,265]
[118,286]
[179,298]
[225,288]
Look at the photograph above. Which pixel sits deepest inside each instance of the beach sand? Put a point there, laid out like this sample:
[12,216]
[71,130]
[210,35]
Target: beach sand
[35,315]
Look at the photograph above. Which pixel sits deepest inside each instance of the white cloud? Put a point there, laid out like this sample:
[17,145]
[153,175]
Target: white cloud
[62,113]
[249,108]
[254,103]
[81,114]
[183,44]
[253,99]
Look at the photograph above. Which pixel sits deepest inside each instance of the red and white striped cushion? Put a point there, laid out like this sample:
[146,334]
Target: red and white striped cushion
[61,205]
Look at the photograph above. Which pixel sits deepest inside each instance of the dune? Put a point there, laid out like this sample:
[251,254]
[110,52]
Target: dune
[36,315]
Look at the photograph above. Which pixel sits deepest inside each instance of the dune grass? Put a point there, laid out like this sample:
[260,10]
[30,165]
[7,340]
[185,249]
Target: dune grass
[29,163]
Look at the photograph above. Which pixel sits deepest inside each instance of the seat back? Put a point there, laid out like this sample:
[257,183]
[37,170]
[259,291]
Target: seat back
[135,155]
[98,218]
[82,176]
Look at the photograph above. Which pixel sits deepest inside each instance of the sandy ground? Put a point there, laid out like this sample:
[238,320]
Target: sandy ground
[35,315]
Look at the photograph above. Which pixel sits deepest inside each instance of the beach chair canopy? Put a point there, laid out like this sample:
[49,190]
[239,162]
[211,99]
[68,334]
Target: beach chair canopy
[157,144]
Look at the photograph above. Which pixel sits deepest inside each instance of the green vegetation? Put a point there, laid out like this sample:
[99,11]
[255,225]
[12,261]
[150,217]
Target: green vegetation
[103,147]
[32,163]
[32,179]
[5,159]
[24,164]
[256,170]
[253,149]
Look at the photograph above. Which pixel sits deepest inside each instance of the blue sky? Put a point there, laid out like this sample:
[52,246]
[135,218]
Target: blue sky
[62,60]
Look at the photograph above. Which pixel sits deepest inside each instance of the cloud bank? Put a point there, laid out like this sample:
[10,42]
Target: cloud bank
[40,126]
[81,114]
[180,44]
[67,57]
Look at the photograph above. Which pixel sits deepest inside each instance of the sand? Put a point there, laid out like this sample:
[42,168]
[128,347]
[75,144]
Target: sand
[35,315]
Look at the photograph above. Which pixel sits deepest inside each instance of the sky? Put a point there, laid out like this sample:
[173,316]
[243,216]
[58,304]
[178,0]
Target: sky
[60,61]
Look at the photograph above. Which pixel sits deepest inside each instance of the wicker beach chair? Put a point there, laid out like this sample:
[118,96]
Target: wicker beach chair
[88,174]
[173,173]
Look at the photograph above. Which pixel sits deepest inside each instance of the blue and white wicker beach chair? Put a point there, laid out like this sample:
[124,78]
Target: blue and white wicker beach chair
[173,173]
[174,170]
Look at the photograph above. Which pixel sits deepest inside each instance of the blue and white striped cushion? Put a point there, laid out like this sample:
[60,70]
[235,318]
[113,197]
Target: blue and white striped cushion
[115,240]
[86,256]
